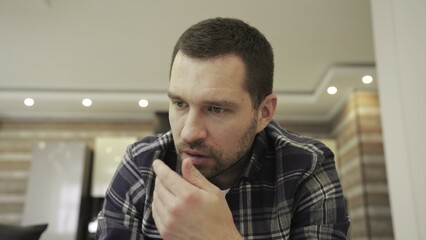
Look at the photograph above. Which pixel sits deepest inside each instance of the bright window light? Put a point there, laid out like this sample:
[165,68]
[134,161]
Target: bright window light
[29,102]
[367,79]
[332,90]
[143,103]
[86,102]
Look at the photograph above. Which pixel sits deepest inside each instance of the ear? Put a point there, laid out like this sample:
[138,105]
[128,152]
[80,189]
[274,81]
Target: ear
[266,111]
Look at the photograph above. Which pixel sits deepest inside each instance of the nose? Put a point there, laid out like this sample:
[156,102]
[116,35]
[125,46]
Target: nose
[193,127]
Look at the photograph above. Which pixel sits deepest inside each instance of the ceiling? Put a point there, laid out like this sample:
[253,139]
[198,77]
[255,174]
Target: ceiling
[117,52]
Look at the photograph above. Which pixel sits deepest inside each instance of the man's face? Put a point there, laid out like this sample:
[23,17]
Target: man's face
[211,115]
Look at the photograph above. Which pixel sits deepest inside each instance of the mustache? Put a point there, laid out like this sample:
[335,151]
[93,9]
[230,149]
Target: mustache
[197,144]
[200,146]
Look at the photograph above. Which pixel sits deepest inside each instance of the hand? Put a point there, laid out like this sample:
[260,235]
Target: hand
[190,207]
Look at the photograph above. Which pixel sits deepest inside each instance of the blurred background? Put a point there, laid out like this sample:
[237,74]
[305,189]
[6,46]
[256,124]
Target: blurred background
[81,80]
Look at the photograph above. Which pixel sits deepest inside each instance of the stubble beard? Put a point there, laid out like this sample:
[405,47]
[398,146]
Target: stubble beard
[222,162]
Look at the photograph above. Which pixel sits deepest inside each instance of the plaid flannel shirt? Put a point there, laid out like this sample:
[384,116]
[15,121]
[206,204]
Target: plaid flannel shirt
[289,190]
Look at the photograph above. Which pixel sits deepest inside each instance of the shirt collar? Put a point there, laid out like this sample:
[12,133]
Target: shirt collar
[260,147]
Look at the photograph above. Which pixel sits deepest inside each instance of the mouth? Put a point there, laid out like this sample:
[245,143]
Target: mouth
[197,157]
[194,153]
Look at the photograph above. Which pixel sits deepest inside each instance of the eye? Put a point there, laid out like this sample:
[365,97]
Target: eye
[216,109]
[179,104]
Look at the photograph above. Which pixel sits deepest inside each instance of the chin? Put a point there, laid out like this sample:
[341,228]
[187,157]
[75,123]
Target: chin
[207,173]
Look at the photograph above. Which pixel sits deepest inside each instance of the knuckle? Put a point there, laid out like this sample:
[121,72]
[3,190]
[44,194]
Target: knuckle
[190,197]
[175,211]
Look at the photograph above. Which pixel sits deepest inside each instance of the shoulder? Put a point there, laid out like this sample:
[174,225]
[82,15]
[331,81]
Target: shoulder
[288,143]
[296,155]
[285,139]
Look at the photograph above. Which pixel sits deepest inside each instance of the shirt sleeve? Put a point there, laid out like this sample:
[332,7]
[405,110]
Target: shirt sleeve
[320,211]
[120,218]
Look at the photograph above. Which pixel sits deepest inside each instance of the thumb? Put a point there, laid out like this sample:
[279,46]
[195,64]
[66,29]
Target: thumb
[193,176]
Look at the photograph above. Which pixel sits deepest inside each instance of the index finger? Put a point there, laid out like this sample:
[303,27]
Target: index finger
[169,178]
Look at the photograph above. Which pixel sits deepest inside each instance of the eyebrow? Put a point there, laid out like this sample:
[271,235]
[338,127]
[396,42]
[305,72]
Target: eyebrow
[213,102]
[173,96]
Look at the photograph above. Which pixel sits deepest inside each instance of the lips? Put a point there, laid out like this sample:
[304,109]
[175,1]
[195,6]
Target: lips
[194,153]
[197,157]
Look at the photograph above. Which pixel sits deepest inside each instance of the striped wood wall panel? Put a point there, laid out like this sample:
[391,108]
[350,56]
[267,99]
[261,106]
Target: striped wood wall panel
[362,170]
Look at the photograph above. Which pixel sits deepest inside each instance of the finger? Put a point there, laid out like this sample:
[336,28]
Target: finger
[157,213]
[170,179]
[163,195]
[193,176]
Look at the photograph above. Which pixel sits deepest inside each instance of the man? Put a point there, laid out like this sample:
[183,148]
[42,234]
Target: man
[226,170]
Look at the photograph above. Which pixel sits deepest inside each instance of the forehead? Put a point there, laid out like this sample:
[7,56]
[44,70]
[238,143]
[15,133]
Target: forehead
[224,73]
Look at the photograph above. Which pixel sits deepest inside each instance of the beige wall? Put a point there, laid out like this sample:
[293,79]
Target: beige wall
[399,43]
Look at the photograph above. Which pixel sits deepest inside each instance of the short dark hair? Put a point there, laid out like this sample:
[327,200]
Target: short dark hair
[221,36]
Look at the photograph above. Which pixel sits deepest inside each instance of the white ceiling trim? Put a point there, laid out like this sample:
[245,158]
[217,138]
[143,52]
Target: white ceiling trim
[159,101]
[333,73]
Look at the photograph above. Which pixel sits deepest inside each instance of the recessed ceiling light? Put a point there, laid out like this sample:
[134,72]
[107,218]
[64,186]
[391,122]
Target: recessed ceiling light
[86,102]
[29,102]
[332,90]
[143,103]
[367,79]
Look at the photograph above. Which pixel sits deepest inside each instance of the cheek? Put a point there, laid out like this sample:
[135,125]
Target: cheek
[176,124]
[228,136]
